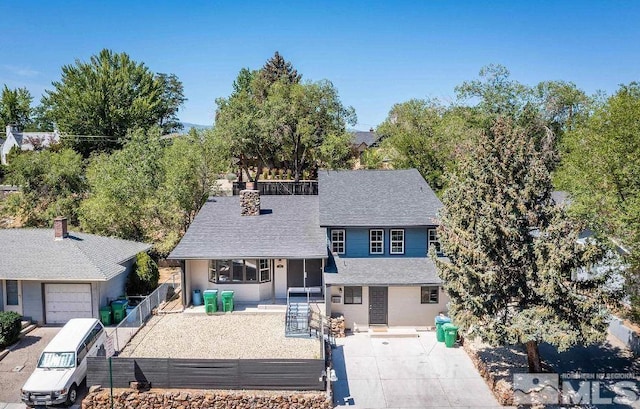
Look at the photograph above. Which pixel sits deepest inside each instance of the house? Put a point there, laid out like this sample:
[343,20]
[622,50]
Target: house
[380,225]
[26,141]
[362,140]
[362,244]
[51,276]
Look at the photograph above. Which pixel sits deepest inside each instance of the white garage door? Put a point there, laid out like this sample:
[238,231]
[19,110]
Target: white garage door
[66,301]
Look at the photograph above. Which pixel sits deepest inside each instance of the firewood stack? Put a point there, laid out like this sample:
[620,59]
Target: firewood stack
[336,326]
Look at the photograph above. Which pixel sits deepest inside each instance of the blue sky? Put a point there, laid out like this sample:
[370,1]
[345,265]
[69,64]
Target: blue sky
[376,53]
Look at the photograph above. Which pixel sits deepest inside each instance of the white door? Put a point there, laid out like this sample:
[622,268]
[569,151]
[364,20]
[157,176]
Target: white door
[13,296]
[66,301]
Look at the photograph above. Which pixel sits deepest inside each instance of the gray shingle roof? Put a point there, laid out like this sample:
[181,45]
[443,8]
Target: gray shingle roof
[366,137]
[383,271]
[287,228]
[380,198]
[33,254]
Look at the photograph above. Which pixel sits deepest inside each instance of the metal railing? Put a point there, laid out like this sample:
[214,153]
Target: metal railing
[138,316]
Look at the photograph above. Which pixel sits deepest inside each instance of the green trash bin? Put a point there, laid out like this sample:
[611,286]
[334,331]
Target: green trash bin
[105,315]
[119,308]
[227,301]
[440,321]
[450,334]
[210,301]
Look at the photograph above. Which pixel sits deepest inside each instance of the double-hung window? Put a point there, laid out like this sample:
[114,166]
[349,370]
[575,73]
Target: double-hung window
[397,241]
[265,271]
[433,241]
[337,241]
[376,241]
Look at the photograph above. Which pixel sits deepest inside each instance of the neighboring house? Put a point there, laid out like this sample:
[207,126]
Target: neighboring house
[381,225]
[362,243]
[26,141]
[362,140]
[52,275]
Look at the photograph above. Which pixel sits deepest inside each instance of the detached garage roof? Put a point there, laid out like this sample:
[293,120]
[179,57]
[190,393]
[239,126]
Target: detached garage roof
[33,254]
[287,227]
[383,271]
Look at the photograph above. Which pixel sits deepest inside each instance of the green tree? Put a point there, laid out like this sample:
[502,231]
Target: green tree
[109,96]
[144,276]
[513,253]
[51,184]
[15,107]
[601,169]
[277,68]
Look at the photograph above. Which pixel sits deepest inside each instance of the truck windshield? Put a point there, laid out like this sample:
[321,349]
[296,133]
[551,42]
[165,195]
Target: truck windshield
[57,360]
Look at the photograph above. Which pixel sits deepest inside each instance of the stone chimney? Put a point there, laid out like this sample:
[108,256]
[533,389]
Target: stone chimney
[60,228]
[249,202]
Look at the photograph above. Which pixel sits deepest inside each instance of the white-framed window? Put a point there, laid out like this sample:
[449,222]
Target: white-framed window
[265,271]
[433,241]
[376,241]
[429,295]
[396,239]
[353,295]
[338,241]
[239,271]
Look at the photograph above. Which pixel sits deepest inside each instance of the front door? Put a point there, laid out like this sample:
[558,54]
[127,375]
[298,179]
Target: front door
[378,305]
[13,296]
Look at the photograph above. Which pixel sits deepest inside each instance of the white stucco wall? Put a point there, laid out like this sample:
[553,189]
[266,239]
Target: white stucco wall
[280,277]
[404,307]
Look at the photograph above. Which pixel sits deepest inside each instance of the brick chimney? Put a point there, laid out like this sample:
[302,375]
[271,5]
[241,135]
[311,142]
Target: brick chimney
[249,202]
[60,228]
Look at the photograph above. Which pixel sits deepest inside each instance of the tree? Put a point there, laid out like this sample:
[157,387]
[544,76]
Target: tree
[51,184]
[600,168]
[513,253]
[108,96]
[143,278]
[15,107]
[277,68]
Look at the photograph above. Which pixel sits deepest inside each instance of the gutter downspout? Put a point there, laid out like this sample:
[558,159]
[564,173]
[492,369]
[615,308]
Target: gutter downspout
[183,284]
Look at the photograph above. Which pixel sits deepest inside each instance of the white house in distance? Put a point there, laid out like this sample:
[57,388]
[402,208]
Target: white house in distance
[26,141]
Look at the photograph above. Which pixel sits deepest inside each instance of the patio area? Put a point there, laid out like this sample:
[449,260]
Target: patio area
[226,336]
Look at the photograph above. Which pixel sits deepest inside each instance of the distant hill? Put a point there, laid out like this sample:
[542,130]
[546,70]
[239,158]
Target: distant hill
[188,125]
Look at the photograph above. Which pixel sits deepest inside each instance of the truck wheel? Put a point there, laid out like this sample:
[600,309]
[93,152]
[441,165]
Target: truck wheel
[72,395]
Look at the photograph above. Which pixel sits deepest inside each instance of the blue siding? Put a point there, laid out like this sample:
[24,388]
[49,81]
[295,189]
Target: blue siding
[32,301]
[357,242]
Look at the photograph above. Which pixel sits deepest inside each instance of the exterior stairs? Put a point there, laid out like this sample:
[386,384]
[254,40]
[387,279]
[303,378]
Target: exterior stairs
[297,319]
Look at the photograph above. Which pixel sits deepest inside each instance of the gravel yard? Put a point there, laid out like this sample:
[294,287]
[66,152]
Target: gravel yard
[228,336]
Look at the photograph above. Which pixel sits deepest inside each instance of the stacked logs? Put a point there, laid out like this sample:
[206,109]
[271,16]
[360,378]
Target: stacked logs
[337,326]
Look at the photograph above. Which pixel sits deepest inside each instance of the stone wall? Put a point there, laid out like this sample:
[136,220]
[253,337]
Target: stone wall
[177,399]
[249,203]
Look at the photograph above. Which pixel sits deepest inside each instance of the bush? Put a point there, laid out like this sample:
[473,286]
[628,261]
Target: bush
[144,277]
[10,326]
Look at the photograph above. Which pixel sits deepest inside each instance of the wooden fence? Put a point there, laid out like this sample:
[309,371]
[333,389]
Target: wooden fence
[269,374]
[281,187]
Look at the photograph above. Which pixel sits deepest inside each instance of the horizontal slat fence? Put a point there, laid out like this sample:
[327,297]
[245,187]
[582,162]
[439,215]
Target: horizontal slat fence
[281,187]
[268,374]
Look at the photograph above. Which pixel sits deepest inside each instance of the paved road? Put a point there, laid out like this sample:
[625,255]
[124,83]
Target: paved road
[406,373]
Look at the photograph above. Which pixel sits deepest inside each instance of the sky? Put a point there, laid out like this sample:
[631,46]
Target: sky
[377,54]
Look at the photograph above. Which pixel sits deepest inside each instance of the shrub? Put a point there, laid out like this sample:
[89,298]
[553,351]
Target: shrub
[10,325]
[144,277]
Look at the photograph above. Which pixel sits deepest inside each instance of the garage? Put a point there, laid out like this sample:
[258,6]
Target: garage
[66,301]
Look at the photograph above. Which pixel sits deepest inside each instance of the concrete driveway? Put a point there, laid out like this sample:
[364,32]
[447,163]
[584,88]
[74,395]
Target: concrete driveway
[406,373]
[18,365]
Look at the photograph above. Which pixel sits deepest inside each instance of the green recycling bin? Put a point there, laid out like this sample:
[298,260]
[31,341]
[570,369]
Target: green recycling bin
[450,334]
[210,301]
[227,301]
[440,321]
[105,315]
[119,308]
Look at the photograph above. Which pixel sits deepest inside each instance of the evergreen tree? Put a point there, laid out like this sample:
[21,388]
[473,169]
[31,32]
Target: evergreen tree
[277,68]
[513,255]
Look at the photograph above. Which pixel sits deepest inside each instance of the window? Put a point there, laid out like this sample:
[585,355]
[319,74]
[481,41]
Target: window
[13,292]
[376,241]
[337,241]
[397,241]
[239,271]
[353,295]
[265,271]
[433,241]
[429,295]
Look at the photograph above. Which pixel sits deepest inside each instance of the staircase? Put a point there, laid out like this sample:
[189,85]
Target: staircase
[297,318]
